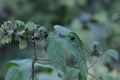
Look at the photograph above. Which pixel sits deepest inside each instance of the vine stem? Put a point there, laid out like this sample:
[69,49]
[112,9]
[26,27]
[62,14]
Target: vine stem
[95,62]
[34,59]
[90,74]
[93,76]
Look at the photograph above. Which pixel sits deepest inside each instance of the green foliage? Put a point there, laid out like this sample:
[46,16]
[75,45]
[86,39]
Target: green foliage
[21,69]
[88,18]
[77,50]
[59,44]
[21,32]
[22,43]
[56,48]
[30,26]
[107,77]
[56,53]
[20,23]
[72,73]
[75,47]
[107,55]
[5,40]
[62,30]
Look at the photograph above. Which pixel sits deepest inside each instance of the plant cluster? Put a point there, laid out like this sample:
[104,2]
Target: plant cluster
[59,44]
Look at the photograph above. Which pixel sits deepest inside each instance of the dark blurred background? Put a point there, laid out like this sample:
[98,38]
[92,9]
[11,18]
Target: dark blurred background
[92,20]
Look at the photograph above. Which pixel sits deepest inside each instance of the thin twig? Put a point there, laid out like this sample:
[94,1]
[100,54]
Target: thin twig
[89,74]
[95,62]
[92,76]
[34,59]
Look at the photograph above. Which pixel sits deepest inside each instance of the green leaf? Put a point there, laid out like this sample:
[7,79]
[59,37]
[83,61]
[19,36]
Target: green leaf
[20,23]
[5,40]
[20,33]
[10,64]
[108,54]
[107,77]
[21,69]
[78,50]
[20,72]
[22,43]
[30,25]
[75,47]
[44,68]
[6,25]
[14,73]
[56,54]
[1,32]
[113,54]
[62,30]
[72,73]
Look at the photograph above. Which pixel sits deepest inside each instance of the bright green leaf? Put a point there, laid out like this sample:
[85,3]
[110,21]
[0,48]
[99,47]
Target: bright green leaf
[5,40]
[30,25]
[22,43]
[10,64]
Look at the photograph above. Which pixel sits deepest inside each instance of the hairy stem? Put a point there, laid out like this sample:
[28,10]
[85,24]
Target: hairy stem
[34,59]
